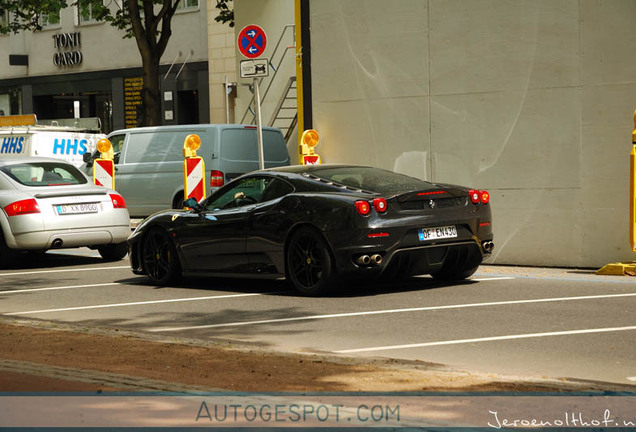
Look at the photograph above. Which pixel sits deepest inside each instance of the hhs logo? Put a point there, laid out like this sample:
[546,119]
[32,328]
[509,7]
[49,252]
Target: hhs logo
[12,145]
[69,146]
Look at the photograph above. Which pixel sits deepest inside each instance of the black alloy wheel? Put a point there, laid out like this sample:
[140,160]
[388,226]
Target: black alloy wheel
[309,264]
[159,257]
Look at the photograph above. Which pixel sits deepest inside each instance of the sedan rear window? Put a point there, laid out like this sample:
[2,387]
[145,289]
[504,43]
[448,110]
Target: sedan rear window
[371,179]
[38,174]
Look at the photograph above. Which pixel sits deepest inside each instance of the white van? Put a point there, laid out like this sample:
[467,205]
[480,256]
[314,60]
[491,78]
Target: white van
[48,141]
[149,160]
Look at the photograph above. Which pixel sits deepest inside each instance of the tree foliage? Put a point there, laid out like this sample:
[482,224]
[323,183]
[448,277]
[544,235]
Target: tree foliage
[148,21]
[226,15]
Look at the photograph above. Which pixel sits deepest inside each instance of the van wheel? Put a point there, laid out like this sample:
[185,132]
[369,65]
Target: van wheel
[177,203]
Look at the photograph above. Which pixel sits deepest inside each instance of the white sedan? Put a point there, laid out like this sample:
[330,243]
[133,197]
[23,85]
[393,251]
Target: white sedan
[49,204]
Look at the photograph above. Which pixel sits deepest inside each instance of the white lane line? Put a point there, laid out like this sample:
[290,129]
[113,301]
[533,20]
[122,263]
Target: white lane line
[58,288]
[63,270]
[494,278]
[113,305]
[487,339]
[389,311]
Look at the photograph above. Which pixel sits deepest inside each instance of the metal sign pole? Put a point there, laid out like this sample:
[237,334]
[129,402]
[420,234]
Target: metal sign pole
[259,126]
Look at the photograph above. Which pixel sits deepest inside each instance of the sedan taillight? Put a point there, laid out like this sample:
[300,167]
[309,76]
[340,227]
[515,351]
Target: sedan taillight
[118,201]
[479,196]
[27,206]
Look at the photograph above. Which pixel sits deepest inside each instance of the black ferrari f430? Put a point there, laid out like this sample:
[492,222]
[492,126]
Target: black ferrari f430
[317,225]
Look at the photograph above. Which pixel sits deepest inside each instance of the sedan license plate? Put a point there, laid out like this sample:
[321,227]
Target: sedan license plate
[437,233]
[68,209]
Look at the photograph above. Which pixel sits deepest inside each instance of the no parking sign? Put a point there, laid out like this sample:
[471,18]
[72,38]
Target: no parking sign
[252,41]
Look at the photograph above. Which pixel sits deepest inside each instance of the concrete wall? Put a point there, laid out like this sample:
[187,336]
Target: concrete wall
[273,16]
[530,99]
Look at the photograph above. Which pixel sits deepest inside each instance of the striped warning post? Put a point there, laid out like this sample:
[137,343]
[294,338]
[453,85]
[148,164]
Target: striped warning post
[193,182]
[104,173]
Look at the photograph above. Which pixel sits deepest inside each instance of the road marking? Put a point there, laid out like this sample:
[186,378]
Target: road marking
[105,306]
[64,270]
[487,339]
[388,311]
[58,288]
[485,279]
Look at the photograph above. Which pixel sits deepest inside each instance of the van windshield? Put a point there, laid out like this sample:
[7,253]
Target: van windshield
[38,174]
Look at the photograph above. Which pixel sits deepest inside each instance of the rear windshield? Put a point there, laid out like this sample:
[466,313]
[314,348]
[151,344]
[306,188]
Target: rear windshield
[372,179]
[38,174]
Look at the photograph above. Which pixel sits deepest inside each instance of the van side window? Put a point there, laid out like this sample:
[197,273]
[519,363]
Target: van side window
[242,145]
[155,147]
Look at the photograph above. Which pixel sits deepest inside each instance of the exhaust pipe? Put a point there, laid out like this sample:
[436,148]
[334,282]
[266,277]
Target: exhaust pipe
[57,243]
[488,246]
[363,260]
[376,259]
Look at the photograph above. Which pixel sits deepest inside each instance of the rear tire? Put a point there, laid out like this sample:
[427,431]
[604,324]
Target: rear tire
[309,264]
[113,252]
[5,252]
[159,258]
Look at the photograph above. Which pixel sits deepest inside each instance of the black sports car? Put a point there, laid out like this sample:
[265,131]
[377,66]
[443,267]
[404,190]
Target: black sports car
[318,224]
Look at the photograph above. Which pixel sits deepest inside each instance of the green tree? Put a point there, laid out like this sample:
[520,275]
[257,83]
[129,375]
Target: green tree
[226,15]
[149,22]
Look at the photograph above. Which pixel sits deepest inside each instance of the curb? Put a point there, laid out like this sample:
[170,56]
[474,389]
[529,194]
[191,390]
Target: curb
[112,380]
[618,269]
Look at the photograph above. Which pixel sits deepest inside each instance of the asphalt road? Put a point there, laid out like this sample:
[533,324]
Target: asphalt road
[505,320]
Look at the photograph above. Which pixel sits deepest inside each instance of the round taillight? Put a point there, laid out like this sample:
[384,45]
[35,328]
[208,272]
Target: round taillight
[380,205]
[479,196]
[474,196]
[363,207]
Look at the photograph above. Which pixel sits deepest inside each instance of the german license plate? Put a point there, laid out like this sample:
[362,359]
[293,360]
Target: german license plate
[437,233]
[67,209]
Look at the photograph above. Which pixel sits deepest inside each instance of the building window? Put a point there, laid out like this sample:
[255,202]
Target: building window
[188,5]
[50,20]
[4,21]
[87,13]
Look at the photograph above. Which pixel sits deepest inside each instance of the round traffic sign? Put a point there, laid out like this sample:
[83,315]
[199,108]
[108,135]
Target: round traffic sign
[252,41]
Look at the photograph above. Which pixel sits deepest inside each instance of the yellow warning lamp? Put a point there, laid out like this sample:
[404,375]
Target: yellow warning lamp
[308,140]
[105,148]
[190,145]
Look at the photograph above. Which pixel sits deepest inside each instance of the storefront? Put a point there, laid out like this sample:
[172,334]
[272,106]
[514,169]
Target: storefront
[77,68]
[112,96]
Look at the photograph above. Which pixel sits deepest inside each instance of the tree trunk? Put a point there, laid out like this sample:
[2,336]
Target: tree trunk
[151,92]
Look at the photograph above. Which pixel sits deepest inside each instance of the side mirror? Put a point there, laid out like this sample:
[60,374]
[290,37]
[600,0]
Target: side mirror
[193,204]
[87,158]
